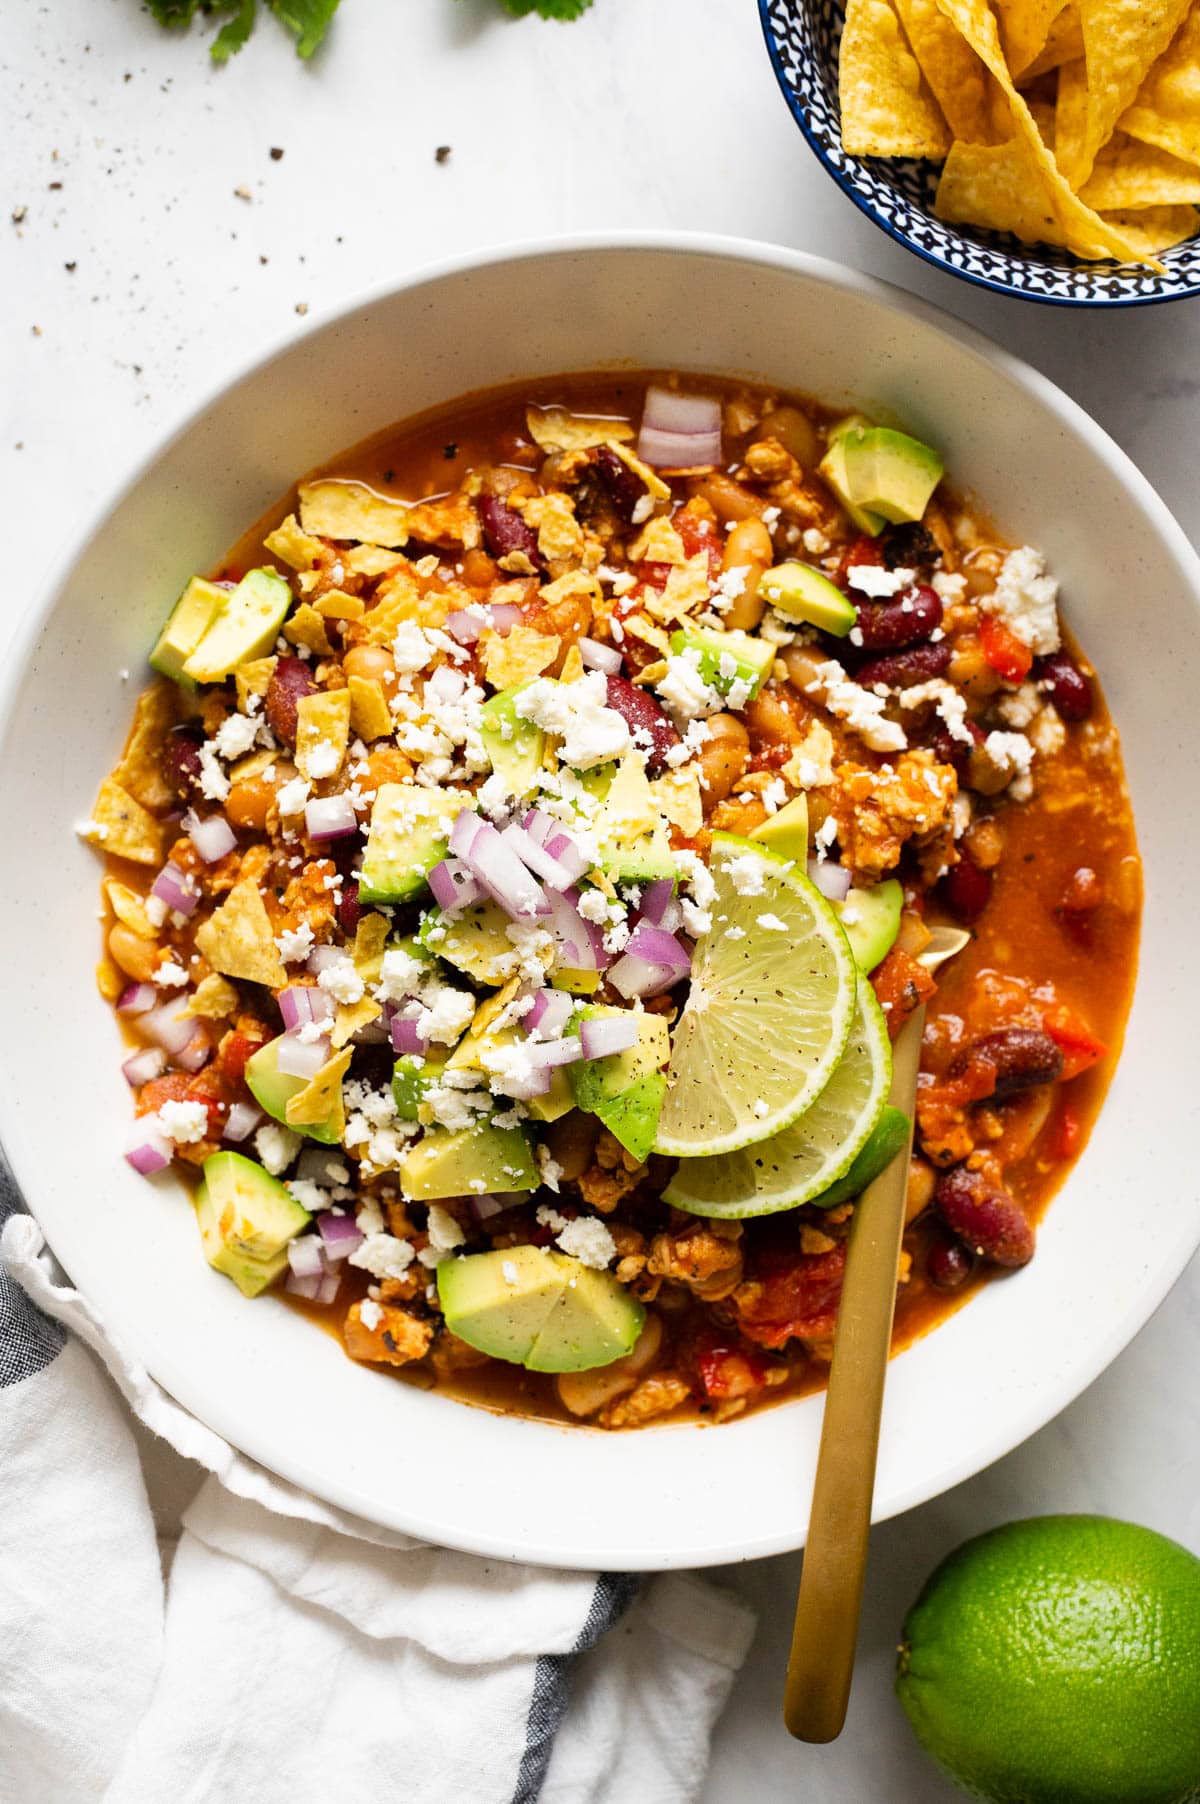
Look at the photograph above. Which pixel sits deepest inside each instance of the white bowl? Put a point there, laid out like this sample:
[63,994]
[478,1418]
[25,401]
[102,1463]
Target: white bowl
[1114,1240]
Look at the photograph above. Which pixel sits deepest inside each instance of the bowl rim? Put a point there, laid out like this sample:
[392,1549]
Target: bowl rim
[849,189]
[1049,1400]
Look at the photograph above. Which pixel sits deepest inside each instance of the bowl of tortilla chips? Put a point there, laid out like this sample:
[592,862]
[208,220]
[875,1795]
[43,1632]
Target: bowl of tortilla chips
[1046,148]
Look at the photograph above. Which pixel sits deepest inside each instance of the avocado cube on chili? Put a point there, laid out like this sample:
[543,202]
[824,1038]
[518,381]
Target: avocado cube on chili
[409,834]
[803,593]
[244,628]
[889,473]
[626,1090]
[273,1089]
[727,660]
[470,1162]
[543,1310]
[412,1077]
[187,624]
[516,747]
[246,1219]
[833,468]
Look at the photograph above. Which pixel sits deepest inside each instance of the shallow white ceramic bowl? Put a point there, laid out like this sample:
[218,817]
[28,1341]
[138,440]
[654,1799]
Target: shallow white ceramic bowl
[1114,1240]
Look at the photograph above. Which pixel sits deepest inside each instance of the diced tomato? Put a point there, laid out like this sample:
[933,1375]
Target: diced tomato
[902,985]
[792,1295]
[1079,1045]
[724,1367]
[235,1049]
[171,1088]
[1068,1128]
[207,1086]
[863,550]
[1008,655]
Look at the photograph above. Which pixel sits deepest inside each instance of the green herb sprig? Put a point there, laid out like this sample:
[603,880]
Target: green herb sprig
[307,20]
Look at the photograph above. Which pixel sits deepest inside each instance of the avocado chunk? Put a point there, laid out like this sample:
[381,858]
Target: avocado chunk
[516,747]
[786,832]
[244,628]
[871,918]
[889,473]
[631,830]
[475,941]
[833,468]
[472,1162]
[273,1089]
[539,1309]
[727,658]
[189,620]
[246,1218]
[409,834]
[626,1090]
[412,1077]
[803,593]
[885,1140]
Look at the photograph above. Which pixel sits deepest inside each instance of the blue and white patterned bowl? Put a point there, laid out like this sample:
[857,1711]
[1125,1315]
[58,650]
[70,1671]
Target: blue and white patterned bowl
[803,37]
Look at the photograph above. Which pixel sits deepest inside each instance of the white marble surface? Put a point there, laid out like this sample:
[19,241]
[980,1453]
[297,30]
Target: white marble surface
[133,285]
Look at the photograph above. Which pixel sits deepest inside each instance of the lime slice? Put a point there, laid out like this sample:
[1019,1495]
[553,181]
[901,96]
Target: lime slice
[805,1158]
[769,1010]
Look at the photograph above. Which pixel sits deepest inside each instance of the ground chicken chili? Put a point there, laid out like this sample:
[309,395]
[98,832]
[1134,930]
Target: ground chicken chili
[505,868]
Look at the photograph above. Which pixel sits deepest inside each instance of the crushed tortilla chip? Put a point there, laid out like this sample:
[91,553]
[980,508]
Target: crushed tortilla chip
[1166,110]
[321,1102]
[677,795]
[1122,40]
[370,717]
[129,908]
[652,481]
[351,1016]
[306,627]
[140,771]
[253,678]
[653,673]
[293,546]
[398,599]
[888,108]
[451,522]
[1064,42]
[251,766]
[237,938]
[370,560]
[370,938]
[955,74]
[1024,27]
[333,605]
[1070,116]
[524,654]
[1128,174]
[1155,229]
[109,981]
[687,591]
[554,429]
[340,509]
[120,825]
[213,998]
[658,543]
[572,665]
[811,764]
[560,536]
[647,632]
[322,726]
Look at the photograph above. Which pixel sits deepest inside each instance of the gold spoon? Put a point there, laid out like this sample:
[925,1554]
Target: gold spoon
[821,1663]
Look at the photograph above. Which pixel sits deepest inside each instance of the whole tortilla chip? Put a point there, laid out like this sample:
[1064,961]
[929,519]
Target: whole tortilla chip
[888,108]
[237,939]
[955,74]
[321,1100]
[322,721]
[338,509]
[1064,43]
[1157,228]
[1024,28]
[120,825]
[1122,40]
[140,771]
[1070,115]
[1166,111]
[370,717]
[1129,175]
[214,998]
[554,429]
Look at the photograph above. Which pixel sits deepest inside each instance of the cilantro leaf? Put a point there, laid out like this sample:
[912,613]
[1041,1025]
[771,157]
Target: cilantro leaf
[308,19]
[231,37]
[173,13]
[548,9]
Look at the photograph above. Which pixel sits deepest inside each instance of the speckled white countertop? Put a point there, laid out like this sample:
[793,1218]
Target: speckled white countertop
[160,239]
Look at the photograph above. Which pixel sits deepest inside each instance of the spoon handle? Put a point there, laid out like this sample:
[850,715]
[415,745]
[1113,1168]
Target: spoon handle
[821,1663]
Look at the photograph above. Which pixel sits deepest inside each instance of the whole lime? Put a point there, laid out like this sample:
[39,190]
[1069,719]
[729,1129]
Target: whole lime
[1057,1661]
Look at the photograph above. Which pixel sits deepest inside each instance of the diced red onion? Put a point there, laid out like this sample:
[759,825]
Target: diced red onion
[536,1084]
[327,1289]
[550,1013]
[173,888]
[196,1053]
[151,1150]
[679,431]
[607,1035]
[505,615]
[671,411]
[454,886]
[633,976]
[241,1122]
[564,851]
[330,817]
[407,1036]
[547,1054]
[466,625]
[302,1058]
[306,1256]
[678,450]
[321,957]
[136,998]
[581,942]
[659,906]
[540,826]
[658,947]
[144,1066]
[833,880]
[340,1234]
[502,874]
[304,1287]
[462,834]
[537,858]
[167,1027]
[599,657]
[482,1208]
[212,837]
[302,1004]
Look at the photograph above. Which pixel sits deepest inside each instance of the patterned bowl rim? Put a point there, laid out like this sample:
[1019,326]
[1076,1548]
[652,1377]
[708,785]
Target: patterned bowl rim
[853,192]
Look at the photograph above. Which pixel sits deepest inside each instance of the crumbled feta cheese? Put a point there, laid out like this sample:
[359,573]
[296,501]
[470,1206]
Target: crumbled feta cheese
[444,1231]
[213,782]
[412,648]
[456,1102]
[591,732]
[156,910]
[183,1122]
[814,541]
[1019,707]
[340,980]
[949,702]
[593,906]
[309,1195]
[1012,754]
[551,1171]
[1025,598]
[276,1146]
[861,711]
[323,759]
[772,923]
[549,1217]
[171,975]
[445,1013]
[684,690]
[295,943]
[291,797]
[877,583]
[588,1240]
[370,1314]
[383,1256]
[950,586]
[235,735]
[401,975]
[825,835]
[747,874]
[961,811]
[643,507]
[1048,732]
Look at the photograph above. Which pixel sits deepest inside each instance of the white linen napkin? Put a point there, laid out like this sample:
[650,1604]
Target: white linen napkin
[298,1653]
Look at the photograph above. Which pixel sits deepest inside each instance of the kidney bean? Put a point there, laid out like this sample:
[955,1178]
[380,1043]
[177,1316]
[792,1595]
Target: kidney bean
[643,715]
[181,760]
[948,1264]
[290,679]
[624,489]
[966,889]
[350,909]
[957,752]
[909,546]
[1021,1056]
[902,668]
[983,1214]
[907,620]
[504,530]
[1059,677]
